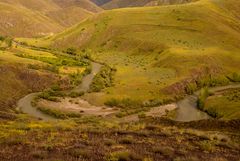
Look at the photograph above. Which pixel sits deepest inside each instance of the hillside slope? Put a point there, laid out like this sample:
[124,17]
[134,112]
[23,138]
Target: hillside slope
[100,2]
[158,51]
[137,3]
[20,18]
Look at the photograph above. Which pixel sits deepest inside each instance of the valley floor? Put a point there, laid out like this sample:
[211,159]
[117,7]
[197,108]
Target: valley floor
[133,84]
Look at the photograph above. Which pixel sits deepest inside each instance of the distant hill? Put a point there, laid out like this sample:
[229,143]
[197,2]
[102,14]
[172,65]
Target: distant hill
[161,48]
[134,22]
[137,3]
[27,18]
[85,4]
[100,2]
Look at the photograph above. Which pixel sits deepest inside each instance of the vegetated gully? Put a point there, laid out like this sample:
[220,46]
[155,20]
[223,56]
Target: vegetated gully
[186,109]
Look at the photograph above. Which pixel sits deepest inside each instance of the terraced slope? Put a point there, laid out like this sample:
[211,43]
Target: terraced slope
[20,18]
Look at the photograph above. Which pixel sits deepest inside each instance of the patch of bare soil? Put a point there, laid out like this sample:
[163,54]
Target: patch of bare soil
[161,110]
[158,111]
[77,105]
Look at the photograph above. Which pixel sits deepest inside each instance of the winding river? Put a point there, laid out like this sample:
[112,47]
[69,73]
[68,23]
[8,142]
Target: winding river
[25,104]
[186,109]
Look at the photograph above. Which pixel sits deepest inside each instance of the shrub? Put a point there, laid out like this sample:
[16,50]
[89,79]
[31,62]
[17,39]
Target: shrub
[112,102]
[51,68]
[76,94]
[123,156]
[166,151]
[39,154]
[207,146]
[187,158]
[213,112]
[234,77]
[9,41]
[71,51]
[48,95]
[55,87]
[109,142]
[212,81]
[76,78]
[2,38]
[126,140]
[103,79]
[14,140]
[142,115]
[190,88]
[80,153]
[204,93]
[58,114]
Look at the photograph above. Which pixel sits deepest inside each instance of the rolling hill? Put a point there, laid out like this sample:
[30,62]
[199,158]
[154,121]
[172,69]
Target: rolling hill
[137,3]
[161,47]
[20,18]
[100,2]
[114,86]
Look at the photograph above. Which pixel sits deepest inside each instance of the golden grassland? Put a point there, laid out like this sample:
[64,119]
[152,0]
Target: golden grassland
[40,18]
[155,48]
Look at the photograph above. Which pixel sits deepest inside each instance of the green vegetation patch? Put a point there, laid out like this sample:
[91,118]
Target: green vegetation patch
[234,77]
[59,61]
[103,79]
[5,42]
[203,95]
[224,105]
[123,156]
[58,113]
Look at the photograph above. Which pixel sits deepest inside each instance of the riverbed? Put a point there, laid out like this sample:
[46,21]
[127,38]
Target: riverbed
[186,109]
[25,104]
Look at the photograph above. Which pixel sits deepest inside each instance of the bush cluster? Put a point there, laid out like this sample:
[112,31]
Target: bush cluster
[204,93]
[59,114]
[207,81]
[103,79]
[234,77]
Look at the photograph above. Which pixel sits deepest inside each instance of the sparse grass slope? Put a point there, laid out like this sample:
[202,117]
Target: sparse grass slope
[137,3]
[155,48]
[20,18]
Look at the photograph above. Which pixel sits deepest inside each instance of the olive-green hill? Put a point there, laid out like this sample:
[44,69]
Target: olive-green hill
[21,18]
[159,47]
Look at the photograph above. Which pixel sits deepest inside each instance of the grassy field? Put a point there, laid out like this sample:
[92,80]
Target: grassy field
[24,70]
[157,51]
[224,105]
[134,3]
